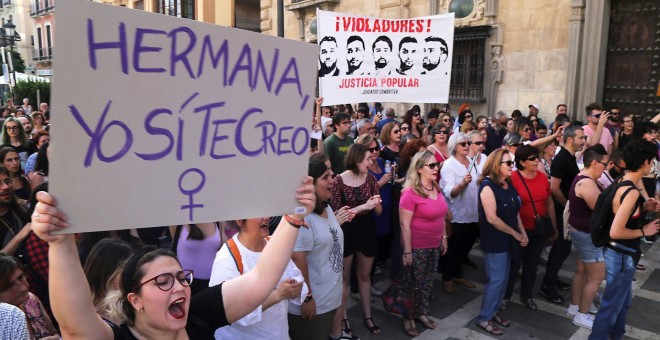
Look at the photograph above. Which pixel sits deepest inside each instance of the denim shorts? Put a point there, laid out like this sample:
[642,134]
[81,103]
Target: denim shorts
[587,252]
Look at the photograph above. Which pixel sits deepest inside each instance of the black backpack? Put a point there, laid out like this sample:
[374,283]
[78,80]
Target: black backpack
[602,216]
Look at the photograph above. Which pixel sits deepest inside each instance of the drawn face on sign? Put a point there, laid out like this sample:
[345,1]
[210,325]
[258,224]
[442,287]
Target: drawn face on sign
[328,54]
[354,53]
[408,48]
[382,52]
[435,51]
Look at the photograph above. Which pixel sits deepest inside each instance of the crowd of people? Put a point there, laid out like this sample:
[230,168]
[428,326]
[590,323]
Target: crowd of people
[410,197]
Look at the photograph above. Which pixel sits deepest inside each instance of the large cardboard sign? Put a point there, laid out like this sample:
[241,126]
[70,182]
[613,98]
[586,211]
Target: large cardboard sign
[364,59]
[161,121]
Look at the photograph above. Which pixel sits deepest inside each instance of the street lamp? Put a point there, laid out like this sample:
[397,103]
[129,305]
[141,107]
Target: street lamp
[9,36]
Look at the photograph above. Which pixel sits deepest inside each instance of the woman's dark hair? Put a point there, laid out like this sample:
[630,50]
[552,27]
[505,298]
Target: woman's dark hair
[319,157]
[640,128]
[593,153]
[407,119]
[102,261]
[133,274]
[461,115]
[355,155]
[316,170]
[636,152]
[408,152]
[3,153]
[523,153]
[516,114]
[41,165]
[541,127]
[8,265]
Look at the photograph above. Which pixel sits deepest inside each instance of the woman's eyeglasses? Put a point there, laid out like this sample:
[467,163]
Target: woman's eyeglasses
[416,114]
[532,158]
[477,143]
[165,281]
[405,128]
[11,128]
[468,116]
[432,165]
[441,132]
[508,163]
[446,120]
[373,149]
[527,129]
[463,144]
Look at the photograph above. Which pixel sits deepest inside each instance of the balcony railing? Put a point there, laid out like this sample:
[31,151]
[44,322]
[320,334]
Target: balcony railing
[6,3]
[49,5]
[34,7]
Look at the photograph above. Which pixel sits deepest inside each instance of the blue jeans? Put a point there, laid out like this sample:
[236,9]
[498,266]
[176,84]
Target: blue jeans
[497,274]
[610,321]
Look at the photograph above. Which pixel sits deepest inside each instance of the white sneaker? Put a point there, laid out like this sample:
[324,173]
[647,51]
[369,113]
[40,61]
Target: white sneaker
[593,309]
[376,292]
[572,309]
[583,320]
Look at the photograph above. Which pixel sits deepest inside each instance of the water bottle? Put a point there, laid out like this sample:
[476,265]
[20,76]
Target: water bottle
[394,175]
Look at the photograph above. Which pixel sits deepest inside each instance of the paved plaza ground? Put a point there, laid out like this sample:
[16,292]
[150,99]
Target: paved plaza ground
[455,314]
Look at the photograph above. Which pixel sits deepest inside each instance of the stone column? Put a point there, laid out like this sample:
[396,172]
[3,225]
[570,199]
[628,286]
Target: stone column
[576,22]
[594,51]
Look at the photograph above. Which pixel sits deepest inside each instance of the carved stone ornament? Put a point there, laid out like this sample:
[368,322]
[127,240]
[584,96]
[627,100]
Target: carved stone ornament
[476,15]
[309,36]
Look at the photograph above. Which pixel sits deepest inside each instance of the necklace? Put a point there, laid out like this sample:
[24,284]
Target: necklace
[427,189]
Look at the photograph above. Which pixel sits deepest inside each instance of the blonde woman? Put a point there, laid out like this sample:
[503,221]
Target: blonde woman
[422,211]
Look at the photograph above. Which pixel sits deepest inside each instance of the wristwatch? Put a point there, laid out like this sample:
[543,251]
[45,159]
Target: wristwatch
[309,298]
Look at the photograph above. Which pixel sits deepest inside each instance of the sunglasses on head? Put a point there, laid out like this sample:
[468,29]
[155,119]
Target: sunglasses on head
[432,165]
[508,163]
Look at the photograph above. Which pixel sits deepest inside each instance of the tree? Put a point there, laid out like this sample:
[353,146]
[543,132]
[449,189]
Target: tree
[19,63]
[28,89]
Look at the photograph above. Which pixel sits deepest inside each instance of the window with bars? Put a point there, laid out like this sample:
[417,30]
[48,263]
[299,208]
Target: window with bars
[176,8]
[467,69]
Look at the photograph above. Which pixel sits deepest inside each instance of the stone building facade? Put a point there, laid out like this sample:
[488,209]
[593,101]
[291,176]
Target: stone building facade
[519,52]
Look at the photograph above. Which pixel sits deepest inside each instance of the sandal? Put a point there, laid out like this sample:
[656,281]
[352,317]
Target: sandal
[375,330]
[410,328]
[426,322]
[501,321]
[490,328]
[346,328]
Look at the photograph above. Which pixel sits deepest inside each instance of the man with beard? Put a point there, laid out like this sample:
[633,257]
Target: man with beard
[13,232]
[435,52]
[328,57]
[408,47]
[382,49]
[355,56]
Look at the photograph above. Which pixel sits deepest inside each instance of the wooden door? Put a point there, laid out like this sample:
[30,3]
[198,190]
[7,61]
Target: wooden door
[633,57]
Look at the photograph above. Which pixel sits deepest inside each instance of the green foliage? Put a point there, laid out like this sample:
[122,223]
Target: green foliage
[19,63]
[28,89]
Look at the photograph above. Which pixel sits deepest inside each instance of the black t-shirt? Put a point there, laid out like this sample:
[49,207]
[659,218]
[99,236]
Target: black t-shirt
[564,166]
[206,314]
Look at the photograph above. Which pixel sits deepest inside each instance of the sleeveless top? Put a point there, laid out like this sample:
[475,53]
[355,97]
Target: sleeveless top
[635,222]
[623,140]
[580,213]
[508,205]
[198,255]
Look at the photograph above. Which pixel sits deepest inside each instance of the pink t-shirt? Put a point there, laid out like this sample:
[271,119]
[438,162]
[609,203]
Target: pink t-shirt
[605,136]
[428,221]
